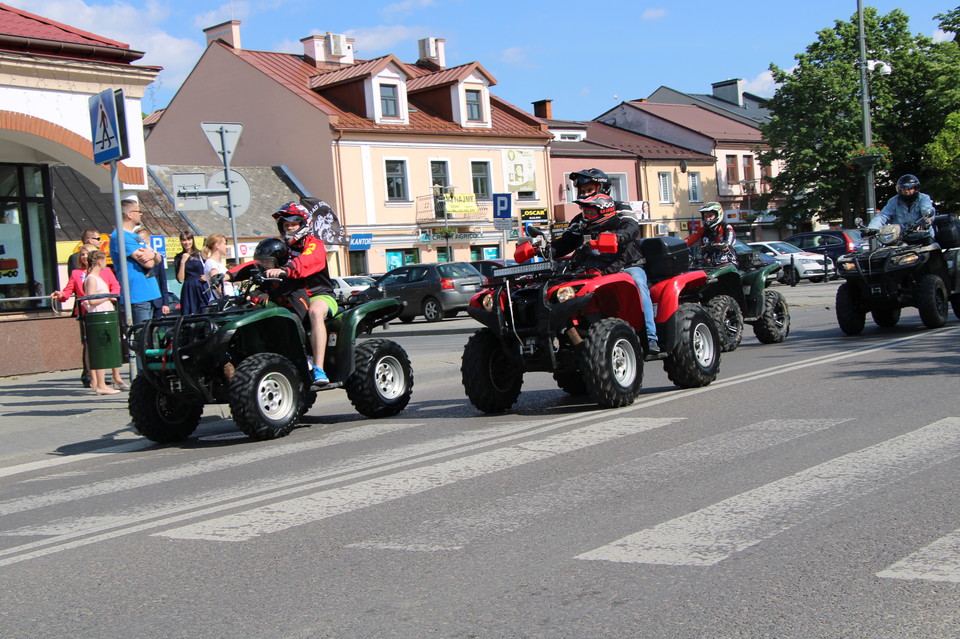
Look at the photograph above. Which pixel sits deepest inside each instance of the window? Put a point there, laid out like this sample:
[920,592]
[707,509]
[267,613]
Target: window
[480,176]
[474,105]
[765,176]
[396,172]
[439,173]
[28,264]
[696,195]
[526,195]
[389,101]
[665,187]
[748,170]
[733,175]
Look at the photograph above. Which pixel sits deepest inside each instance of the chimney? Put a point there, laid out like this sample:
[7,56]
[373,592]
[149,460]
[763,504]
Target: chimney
[729,91]
[228,31]
[432,53]
[332,47]
[543,109]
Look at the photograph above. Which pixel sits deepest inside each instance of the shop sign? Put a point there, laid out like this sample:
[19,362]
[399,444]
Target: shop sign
[361,241]
[533,216]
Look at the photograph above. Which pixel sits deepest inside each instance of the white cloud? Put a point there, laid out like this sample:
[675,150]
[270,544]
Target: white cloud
[653,14]
[404,8]
[762,85]
[239,10]
[941,36]
[381,40]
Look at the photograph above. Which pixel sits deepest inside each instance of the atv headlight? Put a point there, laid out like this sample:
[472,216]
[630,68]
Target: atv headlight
[565,293]
[488,302]
[848,266]
[909,258]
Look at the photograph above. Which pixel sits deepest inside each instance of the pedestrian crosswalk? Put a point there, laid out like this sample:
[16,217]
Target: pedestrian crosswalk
[301,501]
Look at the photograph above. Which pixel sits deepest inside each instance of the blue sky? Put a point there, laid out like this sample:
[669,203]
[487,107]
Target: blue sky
[585,58]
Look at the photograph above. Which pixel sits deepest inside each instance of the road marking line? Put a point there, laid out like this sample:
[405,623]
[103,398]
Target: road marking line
[59,461]
[712,534]
[504,516]
[312,508]
[939,561]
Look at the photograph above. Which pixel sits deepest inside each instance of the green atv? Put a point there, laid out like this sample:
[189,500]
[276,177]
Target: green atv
[737,294]
[254,358]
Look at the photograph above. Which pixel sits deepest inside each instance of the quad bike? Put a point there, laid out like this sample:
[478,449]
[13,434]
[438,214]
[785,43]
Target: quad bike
[585,328]
[254,358]
[907,268]
[736,294]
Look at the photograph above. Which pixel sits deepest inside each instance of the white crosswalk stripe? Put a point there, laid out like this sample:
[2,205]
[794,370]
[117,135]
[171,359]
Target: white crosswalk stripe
[939,561]
[712,534]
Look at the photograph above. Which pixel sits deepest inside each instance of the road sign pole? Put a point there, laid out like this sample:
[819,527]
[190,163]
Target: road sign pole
[122,254]
[226,176]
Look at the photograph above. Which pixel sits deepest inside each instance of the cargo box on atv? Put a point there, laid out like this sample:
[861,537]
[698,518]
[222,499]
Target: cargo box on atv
[666,257]
[946,230]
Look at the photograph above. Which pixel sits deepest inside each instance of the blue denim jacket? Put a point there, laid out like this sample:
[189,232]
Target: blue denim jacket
[899,212]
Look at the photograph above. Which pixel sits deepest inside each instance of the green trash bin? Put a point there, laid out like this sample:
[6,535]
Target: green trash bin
[103,339]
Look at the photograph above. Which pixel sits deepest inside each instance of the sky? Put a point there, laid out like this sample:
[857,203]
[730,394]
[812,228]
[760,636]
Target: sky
[586,57]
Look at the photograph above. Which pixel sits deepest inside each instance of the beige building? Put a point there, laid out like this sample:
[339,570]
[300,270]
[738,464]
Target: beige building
[409,155]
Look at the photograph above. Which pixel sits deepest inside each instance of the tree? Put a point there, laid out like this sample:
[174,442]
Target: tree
[816,126]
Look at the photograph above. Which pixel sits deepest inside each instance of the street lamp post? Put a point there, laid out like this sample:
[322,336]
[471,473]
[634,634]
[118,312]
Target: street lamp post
[865,104]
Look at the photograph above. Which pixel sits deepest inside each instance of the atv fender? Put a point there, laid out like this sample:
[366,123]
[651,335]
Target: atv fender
[666,294]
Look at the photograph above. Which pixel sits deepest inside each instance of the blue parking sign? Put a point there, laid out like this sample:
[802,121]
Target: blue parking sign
[502,206]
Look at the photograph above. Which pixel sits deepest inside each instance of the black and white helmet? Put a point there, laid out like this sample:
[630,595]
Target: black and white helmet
[586,176]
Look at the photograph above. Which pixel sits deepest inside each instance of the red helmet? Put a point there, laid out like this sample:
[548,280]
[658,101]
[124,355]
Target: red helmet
[597,208]
[291,212]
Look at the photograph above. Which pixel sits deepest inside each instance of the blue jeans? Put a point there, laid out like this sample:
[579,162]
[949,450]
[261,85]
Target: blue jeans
[142,311]
[640,277]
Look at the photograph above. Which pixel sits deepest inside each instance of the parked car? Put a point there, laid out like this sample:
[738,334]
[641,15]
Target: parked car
[432,290]
[344,287]
[488,266]
[805,265]
[832,243]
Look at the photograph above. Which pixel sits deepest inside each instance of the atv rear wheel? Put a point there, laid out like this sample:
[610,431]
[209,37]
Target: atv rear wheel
[491,377]
[729,318]
[932,301]
[570,381]
[266,395]
[886,316]
[850,314]
[774,323]
[382,379]
[612,363]
[160,417]
[694,360]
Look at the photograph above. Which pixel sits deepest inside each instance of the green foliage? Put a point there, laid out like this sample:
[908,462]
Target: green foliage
[817,121]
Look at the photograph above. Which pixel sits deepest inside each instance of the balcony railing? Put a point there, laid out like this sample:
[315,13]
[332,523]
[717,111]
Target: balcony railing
[433,211]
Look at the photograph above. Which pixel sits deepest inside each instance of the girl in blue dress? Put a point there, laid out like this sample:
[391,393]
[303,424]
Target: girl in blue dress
[189,268]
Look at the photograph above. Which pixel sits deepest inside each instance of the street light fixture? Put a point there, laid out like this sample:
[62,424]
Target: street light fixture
[883,69]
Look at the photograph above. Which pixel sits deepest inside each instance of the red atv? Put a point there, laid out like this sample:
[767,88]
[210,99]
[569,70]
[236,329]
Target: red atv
[586,328]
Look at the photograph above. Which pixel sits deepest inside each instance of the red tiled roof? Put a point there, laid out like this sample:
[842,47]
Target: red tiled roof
[698,119]
[356,71]
[20,23]
[641,145]
[447,76]
[295,74]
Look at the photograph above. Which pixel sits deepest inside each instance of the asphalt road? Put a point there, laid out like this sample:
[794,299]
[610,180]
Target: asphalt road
[811,491]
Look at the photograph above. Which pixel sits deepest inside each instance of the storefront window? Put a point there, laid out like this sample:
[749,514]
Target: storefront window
[27,259]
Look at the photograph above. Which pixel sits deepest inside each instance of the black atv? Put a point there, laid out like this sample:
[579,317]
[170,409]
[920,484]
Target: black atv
[908,268]
[737,294]
[255,359]
[586,329]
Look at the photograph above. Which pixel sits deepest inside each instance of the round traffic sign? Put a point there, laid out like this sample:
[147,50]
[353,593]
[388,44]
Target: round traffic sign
[239,193]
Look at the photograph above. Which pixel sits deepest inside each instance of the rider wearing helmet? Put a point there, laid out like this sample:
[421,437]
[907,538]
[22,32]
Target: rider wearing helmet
[714,234]
[598,214]
[307,269]
[908,206]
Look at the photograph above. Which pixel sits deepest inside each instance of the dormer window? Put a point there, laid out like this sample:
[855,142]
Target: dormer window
[474,105]
[389,101]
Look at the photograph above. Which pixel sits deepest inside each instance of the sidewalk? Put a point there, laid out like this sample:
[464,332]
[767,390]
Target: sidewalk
[49,416]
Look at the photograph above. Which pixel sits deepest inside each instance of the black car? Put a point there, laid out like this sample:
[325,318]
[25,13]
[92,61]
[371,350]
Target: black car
[488,266]
[832,243]
[432,290]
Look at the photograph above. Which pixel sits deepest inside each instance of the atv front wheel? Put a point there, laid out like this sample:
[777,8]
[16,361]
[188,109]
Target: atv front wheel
[729,318]
[160,417]
[266,395]
[570,381]
[491,377]
[695,358]
[774,323]
[382,379]
[850,314]
[612,363]
[932,301]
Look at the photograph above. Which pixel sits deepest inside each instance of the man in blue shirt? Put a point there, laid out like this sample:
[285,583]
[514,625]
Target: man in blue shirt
[908,206]
[140,260]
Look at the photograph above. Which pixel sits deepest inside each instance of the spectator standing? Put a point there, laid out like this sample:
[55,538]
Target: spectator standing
[140,259]
[90,238]
[188,266]
[161,305]
[214,251]
[94,285]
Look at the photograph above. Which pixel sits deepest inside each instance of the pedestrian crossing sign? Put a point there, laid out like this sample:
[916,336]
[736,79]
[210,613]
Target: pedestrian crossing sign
[108,125]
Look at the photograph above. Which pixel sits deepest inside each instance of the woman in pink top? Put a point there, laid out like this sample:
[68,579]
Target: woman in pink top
[94,285]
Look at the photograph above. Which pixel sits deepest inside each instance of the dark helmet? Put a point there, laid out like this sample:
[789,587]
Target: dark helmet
[291,212]
[711,209]
[586,176]
[271,253]
[597,208]
[906,183]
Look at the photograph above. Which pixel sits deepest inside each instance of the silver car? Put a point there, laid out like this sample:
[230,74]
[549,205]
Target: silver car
[432,290]
[806,265]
